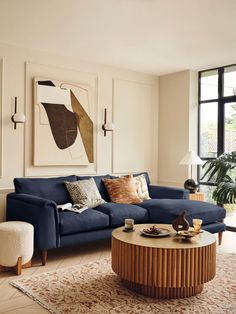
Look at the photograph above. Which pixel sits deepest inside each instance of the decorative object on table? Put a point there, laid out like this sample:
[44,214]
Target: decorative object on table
[18,117]
[129,224]
[107,126]
[180,223]
[197,223]
[187,234]
[222,172]
[155,231]
[16,245]
[63,113]
[94,286]
[190,159]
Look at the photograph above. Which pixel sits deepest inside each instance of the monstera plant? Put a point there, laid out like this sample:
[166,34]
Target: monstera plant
[222,172]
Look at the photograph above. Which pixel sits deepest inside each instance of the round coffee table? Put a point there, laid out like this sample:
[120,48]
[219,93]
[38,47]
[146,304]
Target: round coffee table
[164,267]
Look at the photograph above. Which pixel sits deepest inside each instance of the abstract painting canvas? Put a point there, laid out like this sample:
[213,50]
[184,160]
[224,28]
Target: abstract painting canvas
[63,126]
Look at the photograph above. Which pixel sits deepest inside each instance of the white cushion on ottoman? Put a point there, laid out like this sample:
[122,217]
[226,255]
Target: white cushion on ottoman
[16,240]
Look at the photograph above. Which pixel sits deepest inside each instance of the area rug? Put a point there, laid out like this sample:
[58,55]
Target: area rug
[94,289]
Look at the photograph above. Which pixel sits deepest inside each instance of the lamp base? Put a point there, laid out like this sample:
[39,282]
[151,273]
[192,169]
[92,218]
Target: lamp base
[191,185]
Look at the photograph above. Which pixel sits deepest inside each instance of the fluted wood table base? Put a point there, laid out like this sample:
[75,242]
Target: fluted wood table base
[163,293]
[164,267]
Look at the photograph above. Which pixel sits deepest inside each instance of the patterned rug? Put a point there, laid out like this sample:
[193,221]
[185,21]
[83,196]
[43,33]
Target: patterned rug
[94,289]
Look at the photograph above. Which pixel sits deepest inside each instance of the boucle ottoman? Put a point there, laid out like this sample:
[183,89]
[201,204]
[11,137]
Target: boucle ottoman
[16,244]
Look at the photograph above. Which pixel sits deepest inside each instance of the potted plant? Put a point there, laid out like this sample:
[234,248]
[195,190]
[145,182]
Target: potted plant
[222,172]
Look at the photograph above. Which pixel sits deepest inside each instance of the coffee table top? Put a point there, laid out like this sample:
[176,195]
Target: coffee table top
[172,241]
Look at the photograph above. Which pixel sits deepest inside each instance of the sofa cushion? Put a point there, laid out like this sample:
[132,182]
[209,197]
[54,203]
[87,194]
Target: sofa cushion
[141,187]
[50,188]
[88,220]
[146,175]
[118,212]
[84,193]
[122,190]
[100,185]
[166,210]
[215,227]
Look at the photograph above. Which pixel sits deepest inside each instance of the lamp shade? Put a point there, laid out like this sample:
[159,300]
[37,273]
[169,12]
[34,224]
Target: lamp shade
[191,158]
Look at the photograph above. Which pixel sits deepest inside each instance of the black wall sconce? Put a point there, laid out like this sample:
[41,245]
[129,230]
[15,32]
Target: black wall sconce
[107,126]
[18,117]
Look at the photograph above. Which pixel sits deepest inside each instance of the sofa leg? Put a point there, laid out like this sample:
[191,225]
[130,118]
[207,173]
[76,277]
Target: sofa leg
[44,255]
[220,234]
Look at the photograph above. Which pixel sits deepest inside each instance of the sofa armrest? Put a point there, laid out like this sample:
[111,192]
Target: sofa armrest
[157,191]
[41,213]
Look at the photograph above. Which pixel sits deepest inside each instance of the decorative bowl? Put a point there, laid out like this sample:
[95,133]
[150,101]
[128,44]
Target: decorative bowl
[187,234]
[155,232]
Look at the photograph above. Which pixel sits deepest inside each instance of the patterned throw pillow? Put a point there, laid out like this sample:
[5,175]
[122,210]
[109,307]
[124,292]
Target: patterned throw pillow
[141,187]
[122,190]
[84,193]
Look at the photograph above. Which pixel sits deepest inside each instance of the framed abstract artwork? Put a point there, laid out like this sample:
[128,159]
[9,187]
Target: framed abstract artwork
[63,126]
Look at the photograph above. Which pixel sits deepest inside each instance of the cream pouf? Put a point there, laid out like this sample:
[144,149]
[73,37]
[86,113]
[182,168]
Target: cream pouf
[16,243]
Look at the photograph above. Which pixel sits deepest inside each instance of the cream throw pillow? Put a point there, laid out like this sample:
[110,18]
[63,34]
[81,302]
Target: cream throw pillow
[141,187]
[84,193]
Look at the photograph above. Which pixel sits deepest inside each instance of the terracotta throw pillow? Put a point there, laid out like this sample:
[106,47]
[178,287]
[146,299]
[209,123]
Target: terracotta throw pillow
[141,187]
[122,190]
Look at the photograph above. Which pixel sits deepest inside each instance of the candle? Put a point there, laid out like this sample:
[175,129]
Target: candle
[129,224]
[197,223]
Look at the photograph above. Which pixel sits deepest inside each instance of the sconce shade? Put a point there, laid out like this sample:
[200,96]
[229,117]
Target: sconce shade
[18,117]
[191,158]
[109,126]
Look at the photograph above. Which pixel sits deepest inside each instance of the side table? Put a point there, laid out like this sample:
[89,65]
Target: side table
[199,196]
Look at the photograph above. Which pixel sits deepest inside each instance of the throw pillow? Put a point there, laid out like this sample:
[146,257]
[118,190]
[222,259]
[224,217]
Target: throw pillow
[84,193]
[122,190]
[141,187]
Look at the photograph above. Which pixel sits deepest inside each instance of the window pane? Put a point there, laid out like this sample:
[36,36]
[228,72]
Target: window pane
[230,81]
[208,190]
[208,129]
[202,171]
[209,85]
[230,127]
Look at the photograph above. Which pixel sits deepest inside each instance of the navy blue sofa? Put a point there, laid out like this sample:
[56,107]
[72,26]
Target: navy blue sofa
[35,201]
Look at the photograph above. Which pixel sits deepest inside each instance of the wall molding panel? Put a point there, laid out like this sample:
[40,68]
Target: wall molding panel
[1,104]
[134,136]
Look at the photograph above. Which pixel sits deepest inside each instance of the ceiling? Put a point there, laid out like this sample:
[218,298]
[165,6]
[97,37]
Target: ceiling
[152,36]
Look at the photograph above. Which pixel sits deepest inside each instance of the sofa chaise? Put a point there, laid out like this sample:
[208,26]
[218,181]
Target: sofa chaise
[35,201]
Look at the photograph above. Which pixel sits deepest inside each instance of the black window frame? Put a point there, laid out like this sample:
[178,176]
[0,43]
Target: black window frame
[221,100]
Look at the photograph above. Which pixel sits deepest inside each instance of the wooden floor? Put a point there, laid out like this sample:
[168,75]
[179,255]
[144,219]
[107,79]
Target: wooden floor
[13,301]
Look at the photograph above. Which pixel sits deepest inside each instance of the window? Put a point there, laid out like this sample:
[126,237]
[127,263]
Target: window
[217,117]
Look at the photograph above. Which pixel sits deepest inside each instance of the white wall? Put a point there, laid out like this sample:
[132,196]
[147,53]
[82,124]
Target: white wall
[177,125]
[131,99]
